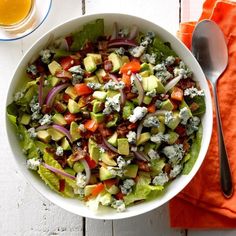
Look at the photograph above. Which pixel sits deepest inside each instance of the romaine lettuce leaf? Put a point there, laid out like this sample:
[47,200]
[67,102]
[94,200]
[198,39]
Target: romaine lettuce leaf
[157,166]
[194,151]
[12,113]
[90,32]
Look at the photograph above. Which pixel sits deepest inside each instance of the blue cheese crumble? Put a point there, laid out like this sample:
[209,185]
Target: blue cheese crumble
[119,205]
[170,60]
[149,58]
[174,153]
[160,179]
[33,163]
[175,171]
[123,33]
[137,51]
[32,133]
[112,104]
[151,121]
[184,115]
[32,69]
[168,117]
[162,73]
[81,180]
[131,136]
[76,70]
[59,151]
[94,86]
[138,114]
[101,150]
[112,85]
[18,96]
[121,162]
[153,154]
[126,188]
[120,51]
[45,56]
[183,70]
[192,125]
[46,120]
[192,92]
[82,128]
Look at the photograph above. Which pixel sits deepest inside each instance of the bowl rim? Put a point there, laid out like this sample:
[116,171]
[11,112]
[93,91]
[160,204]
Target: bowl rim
[141,210]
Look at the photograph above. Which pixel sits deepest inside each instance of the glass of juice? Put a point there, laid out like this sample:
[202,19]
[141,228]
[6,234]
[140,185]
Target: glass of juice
[20,17]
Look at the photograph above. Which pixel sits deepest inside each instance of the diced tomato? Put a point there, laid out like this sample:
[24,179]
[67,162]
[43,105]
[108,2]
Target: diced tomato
[82,89]
[177,94]
[175,103]
[133,66]
[98,189]
[66,97]
[119,196]
[62,185]
[91,125]
[126,79]
[67,62]
[110,182]
[180,130]
[151,108]
[69,118]
[91,163]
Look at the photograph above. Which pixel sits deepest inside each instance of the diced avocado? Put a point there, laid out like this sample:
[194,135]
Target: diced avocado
[90,64]
[152,82]
[148,146]
[71,92]
[54,67]
[123,146]
[74,131]
[113,139]
[29,94]
[70,161]
[97,106]
[106,199]
[175,121]
[112,93]
[112,189]
[44,136]
[100,95]
[144,73]
[97,57]
[113,122]
[124,59]
[173,136]
[167,105]
[147,100]
[25,119]
[78,167]
[65,144]
[59,119]
[99,117]
[131,171]
[184,104]
[116,61]
[161,118]
[92,79]
[73,106]
[107,159]
[144,137]
[127,110]
[105,174]
[70,171]
[144,67]
[94,153]
[53,80]
[88,189]
[100,74]
[56,135]
[160,129]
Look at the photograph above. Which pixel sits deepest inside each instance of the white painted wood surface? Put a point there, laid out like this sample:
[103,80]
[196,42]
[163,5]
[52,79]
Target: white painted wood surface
[22,210]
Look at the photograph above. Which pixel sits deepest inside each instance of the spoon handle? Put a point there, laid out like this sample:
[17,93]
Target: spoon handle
[225,173]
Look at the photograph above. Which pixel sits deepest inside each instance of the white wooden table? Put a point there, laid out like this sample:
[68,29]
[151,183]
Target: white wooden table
[22,210]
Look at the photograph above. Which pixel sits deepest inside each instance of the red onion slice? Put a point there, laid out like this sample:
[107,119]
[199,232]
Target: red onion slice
[57,171]
[87,170]
[139,130]
[64,131]
[141,156]
[53,93]
[122,93]
[112,148]
[133,32]
[121,42]
[114,31]
[140,89]
[62,44]
[40,97]
[172,83]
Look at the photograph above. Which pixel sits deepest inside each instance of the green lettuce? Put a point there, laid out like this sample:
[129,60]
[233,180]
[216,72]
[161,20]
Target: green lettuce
[90,32]
[157,166]
[194,151]
[12,113]
[142,190]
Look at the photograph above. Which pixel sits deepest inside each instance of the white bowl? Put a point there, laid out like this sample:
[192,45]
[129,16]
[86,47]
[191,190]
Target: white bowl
[76,206]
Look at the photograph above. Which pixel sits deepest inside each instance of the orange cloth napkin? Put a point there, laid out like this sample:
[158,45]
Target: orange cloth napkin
[201,204]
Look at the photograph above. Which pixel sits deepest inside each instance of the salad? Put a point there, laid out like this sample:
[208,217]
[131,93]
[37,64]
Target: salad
[109,119]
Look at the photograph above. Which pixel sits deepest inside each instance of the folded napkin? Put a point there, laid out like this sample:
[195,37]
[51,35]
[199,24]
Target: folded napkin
[201,204]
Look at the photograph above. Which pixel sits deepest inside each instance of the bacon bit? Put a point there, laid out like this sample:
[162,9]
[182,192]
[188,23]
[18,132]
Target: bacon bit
[119,196]
[62,160]
[45,109]
[132,126]
[175,103]
[194,106]
[130,96]
[167,168]
[181,130]
[186,83]
[105,132]
[143,166]
[186,145]
[122,130]
[109,117]
[87,74]
[64,74]
[50,149]
[108,66]
[102,45]
[59,107]
[78,154]
[62,185]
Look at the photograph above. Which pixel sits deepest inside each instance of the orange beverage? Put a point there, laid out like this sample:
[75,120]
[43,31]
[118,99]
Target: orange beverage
[13,12]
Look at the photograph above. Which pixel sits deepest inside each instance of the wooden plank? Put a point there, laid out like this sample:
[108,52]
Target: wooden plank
[163,12]
[153,223]
[99,227]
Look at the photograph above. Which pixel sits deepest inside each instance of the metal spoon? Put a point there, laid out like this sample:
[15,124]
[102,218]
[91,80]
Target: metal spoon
[209,48]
